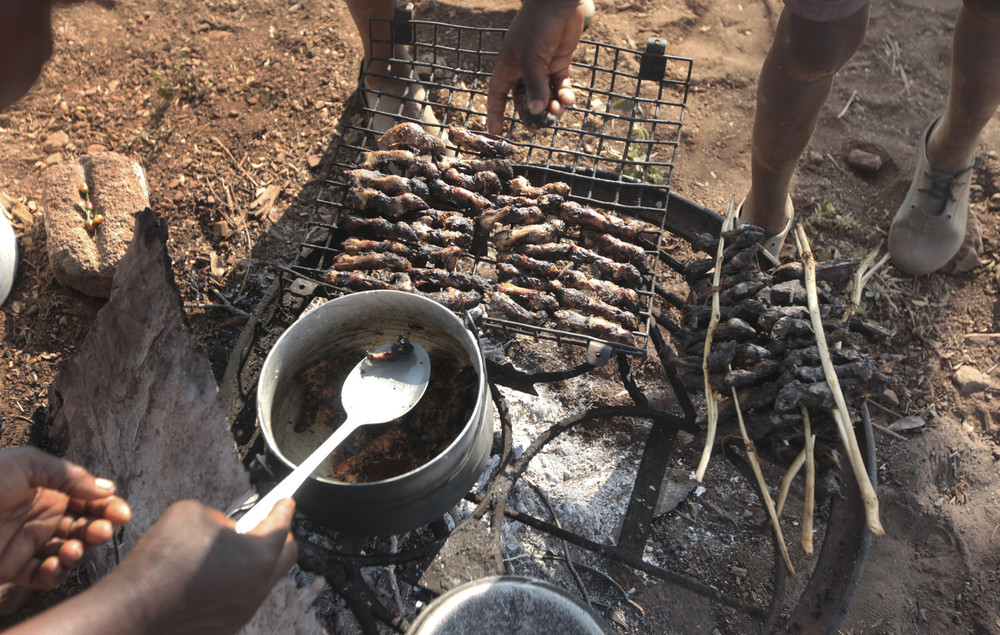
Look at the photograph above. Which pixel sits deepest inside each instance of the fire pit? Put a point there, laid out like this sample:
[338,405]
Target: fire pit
[615,151]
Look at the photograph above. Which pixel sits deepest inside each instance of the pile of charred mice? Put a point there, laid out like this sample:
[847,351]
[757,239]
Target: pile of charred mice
[550,262]
[764,345]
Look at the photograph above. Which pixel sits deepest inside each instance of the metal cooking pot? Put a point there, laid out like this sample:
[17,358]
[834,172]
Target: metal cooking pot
[508,605]
[364,321]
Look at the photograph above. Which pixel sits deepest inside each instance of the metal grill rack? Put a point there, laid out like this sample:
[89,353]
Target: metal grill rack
[615,149]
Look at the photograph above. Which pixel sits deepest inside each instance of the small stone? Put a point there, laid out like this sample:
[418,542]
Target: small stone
[313,160]
[864,161]
[994,203]
[970,380]
[94,148]
[890,396]
[814,157]
[55,142]
[221,230]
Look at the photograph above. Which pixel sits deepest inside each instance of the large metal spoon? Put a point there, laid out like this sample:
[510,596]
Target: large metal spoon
[374,392]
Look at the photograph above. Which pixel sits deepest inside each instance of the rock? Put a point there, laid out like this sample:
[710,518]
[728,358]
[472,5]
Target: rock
[55,142]
[221,230]
[676,486]
[81,260]
[994,203]
[138,404]
[970,380]
[864,161]
[814,157]
[94,148]
[890,396]
[22,214]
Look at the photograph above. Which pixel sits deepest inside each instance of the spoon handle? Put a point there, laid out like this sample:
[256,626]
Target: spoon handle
[291,483]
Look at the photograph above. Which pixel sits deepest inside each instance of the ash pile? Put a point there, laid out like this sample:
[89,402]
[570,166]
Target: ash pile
[761,340]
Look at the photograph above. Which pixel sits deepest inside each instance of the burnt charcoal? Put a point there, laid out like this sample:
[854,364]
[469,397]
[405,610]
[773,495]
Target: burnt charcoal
[809,356]
[770,317]
[743,290]
[815,395]
[837,272]
[705,243]
[743,260]
[743,236]
[721,356]
[779,347]
[868,329]
[748,310]
[750,352]
[698,269]
[787,293]
[758,397]
[787,327]
[734,329]
[757,374]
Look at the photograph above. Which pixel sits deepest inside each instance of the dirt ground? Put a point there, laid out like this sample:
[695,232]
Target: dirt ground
[257,92]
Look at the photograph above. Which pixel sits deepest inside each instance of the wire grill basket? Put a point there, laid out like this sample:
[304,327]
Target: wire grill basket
[615,147]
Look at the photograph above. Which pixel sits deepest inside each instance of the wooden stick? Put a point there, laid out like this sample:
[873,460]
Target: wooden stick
[841,415]
[711,400]
[809,506]
[786,480]
[751,451]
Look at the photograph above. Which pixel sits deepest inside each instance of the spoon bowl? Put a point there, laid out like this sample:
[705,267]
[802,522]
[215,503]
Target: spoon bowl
[376,391]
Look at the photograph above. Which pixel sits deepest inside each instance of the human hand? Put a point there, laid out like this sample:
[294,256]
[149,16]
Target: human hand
[49,510]
[192,573]
[537,49]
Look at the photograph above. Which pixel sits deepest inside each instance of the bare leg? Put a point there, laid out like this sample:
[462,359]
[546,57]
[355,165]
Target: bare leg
[391,90]
[361,11]
[794,83]
[975,87]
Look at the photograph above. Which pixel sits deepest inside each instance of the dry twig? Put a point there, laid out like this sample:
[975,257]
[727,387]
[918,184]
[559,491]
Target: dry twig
[841,415]
[711,401]
[809,506]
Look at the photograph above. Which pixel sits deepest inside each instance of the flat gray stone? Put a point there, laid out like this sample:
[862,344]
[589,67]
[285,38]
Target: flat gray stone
[970,380]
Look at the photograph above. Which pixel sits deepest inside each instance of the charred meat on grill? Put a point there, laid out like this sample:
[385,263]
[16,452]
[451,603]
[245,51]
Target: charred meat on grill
[509,215]
[540,233]
[584,216]
[458,196]
[441,237]
[412,136]
[614,248]
[592,326]
[372,199]
[500,304]
[520,186]
[480,144]
[390,184]
[379,227]
[532,299]
[442,279]
[457,300]
[580,301]
[453,221]
[370,260]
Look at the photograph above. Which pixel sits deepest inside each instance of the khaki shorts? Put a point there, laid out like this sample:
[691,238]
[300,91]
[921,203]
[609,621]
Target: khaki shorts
[825,10]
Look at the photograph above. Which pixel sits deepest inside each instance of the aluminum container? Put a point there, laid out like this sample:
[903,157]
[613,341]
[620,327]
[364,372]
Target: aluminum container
[364,321]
